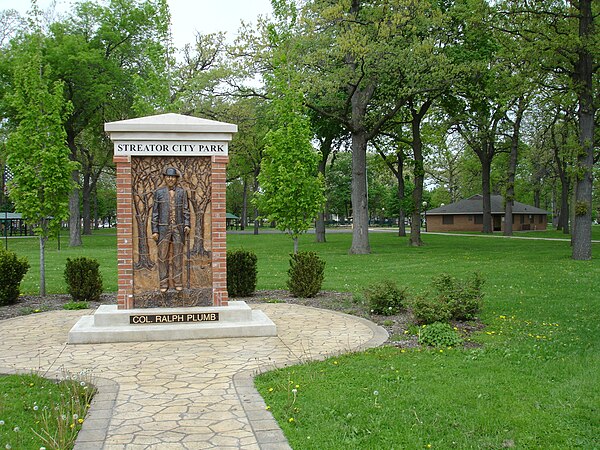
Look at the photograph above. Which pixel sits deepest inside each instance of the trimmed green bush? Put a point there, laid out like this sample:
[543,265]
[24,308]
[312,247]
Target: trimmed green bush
[464,297]
[241,273]
[12,271]
[306,274]
[439,334]
[385,298]
[450,299]
[429,309]
[83,278]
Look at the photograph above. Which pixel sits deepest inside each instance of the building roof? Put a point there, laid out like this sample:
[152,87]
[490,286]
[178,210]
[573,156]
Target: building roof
[10,216]
[474,205]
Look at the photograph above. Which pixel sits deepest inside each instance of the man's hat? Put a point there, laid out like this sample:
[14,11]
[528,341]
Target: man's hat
[171,172]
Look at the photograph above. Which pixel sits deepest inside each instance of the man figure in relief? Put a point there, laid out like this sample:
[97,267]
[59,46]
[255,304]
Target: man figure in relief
[170,229]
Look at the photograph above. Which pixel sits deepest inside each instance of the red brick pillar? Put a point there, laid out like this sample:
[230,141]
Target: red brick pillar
[124,233]
[219,231]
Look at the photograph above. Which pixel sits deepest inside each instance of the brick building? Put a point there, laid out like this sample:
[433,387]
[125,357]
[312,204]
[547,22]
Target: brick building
[467,215]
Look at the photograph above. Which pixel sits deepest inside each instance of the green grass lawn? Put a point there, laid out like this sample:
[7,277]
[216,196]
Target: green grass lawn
[39,413]
[532,384]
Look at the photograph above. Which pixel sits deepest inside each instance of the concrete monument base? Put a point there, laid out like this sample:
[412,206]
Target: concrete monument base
[109,324]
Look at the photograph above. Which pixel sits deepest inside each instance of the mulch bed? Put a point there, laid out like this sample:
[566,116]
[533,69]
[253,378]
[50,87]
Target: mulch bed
[396,325]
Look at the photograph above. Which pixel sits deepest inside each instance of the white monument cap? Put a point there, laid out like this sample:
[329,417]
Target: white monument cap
[170,134]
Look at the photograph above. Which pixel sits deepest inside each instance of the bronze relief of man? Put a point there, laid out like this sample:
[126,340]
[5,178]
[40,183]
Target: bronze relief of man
[170,229]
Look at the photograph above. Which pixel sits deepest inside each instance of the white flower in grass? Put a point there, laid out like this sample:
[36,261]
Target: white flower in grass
[1,422]
[7,447]
[36,407]
[75,417]
[16,429]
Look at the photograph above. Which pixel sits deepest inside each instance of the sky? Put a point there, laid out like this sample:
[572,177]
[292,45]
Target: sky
[188,16]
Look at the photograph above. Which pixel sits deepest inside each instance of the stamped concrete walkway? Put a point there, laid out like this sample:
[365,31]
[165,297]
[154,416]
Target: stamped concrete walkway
[195,394]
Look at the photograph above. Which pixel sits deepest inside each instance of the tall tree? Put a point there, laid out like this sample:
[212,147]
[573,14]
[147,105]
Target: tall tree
[479,103]
[565,40]
[113,61]
[37,150]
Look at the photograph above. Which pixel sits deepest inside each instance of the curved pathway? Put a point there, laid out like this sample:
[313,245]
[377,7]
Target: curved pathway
[194,394]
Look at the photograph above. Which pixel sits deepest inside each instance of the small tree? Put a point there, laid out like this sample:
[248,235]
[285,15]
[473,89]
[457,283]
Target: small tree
[291,191]
[37,152]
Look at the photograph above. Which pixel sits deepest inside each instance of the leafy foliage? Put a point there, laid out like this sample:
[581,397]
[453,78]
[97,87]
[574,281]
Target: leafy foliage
[450,299]
[292,193]
[74,306]
[439,334]
[83,278]
[385,297]
[241,273]
[12,271]
[306,274]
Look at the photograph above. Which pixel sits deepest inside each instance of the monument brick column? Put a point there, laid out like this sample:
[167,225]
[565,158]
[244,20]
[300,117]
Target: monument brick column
[124,233]
[219,229]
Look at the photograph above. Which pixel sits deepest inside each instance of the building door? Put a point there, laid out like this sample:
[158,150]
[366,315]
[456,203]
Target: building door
[497,223]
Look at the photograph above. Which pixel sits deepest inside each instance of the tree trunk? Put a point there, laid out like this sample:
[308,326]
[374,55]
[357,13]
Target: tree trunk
[86,204]
[295,239]
[417,195]
[244,218]
[360,203]
[400,193]
[582,226]
[74,215]
[563,214]
[419,173]
[486,192]
[320,227]
[255,190]
[320,222]
[512,168]
[43,265]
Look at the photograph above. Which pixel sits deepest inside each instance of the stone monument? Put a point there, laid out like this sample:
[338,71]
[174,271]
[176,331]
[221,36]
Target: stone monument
[171,236]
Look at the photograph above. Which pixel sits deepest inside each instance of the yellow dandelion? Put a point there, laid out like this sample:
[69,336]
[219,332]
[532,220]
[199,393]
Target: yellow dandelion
[291,420]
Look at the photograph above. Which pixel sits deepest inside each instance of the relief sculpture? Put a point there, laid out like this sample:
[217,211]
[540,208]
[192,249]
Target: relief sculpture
[172,244]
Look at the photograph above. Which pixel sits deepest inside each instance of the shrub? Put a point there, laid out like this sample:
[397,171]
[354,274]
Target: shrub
[84,281]
[450,299]
[306,274]
[429,309]
[464,297]
[12,271]
[241,273]
[385,298]
[439,334]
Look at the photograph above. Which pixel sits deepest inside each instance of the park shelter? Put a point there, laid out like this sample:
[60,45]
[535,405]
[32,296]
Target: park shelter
[467,215]
[232,221]
[12,224]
